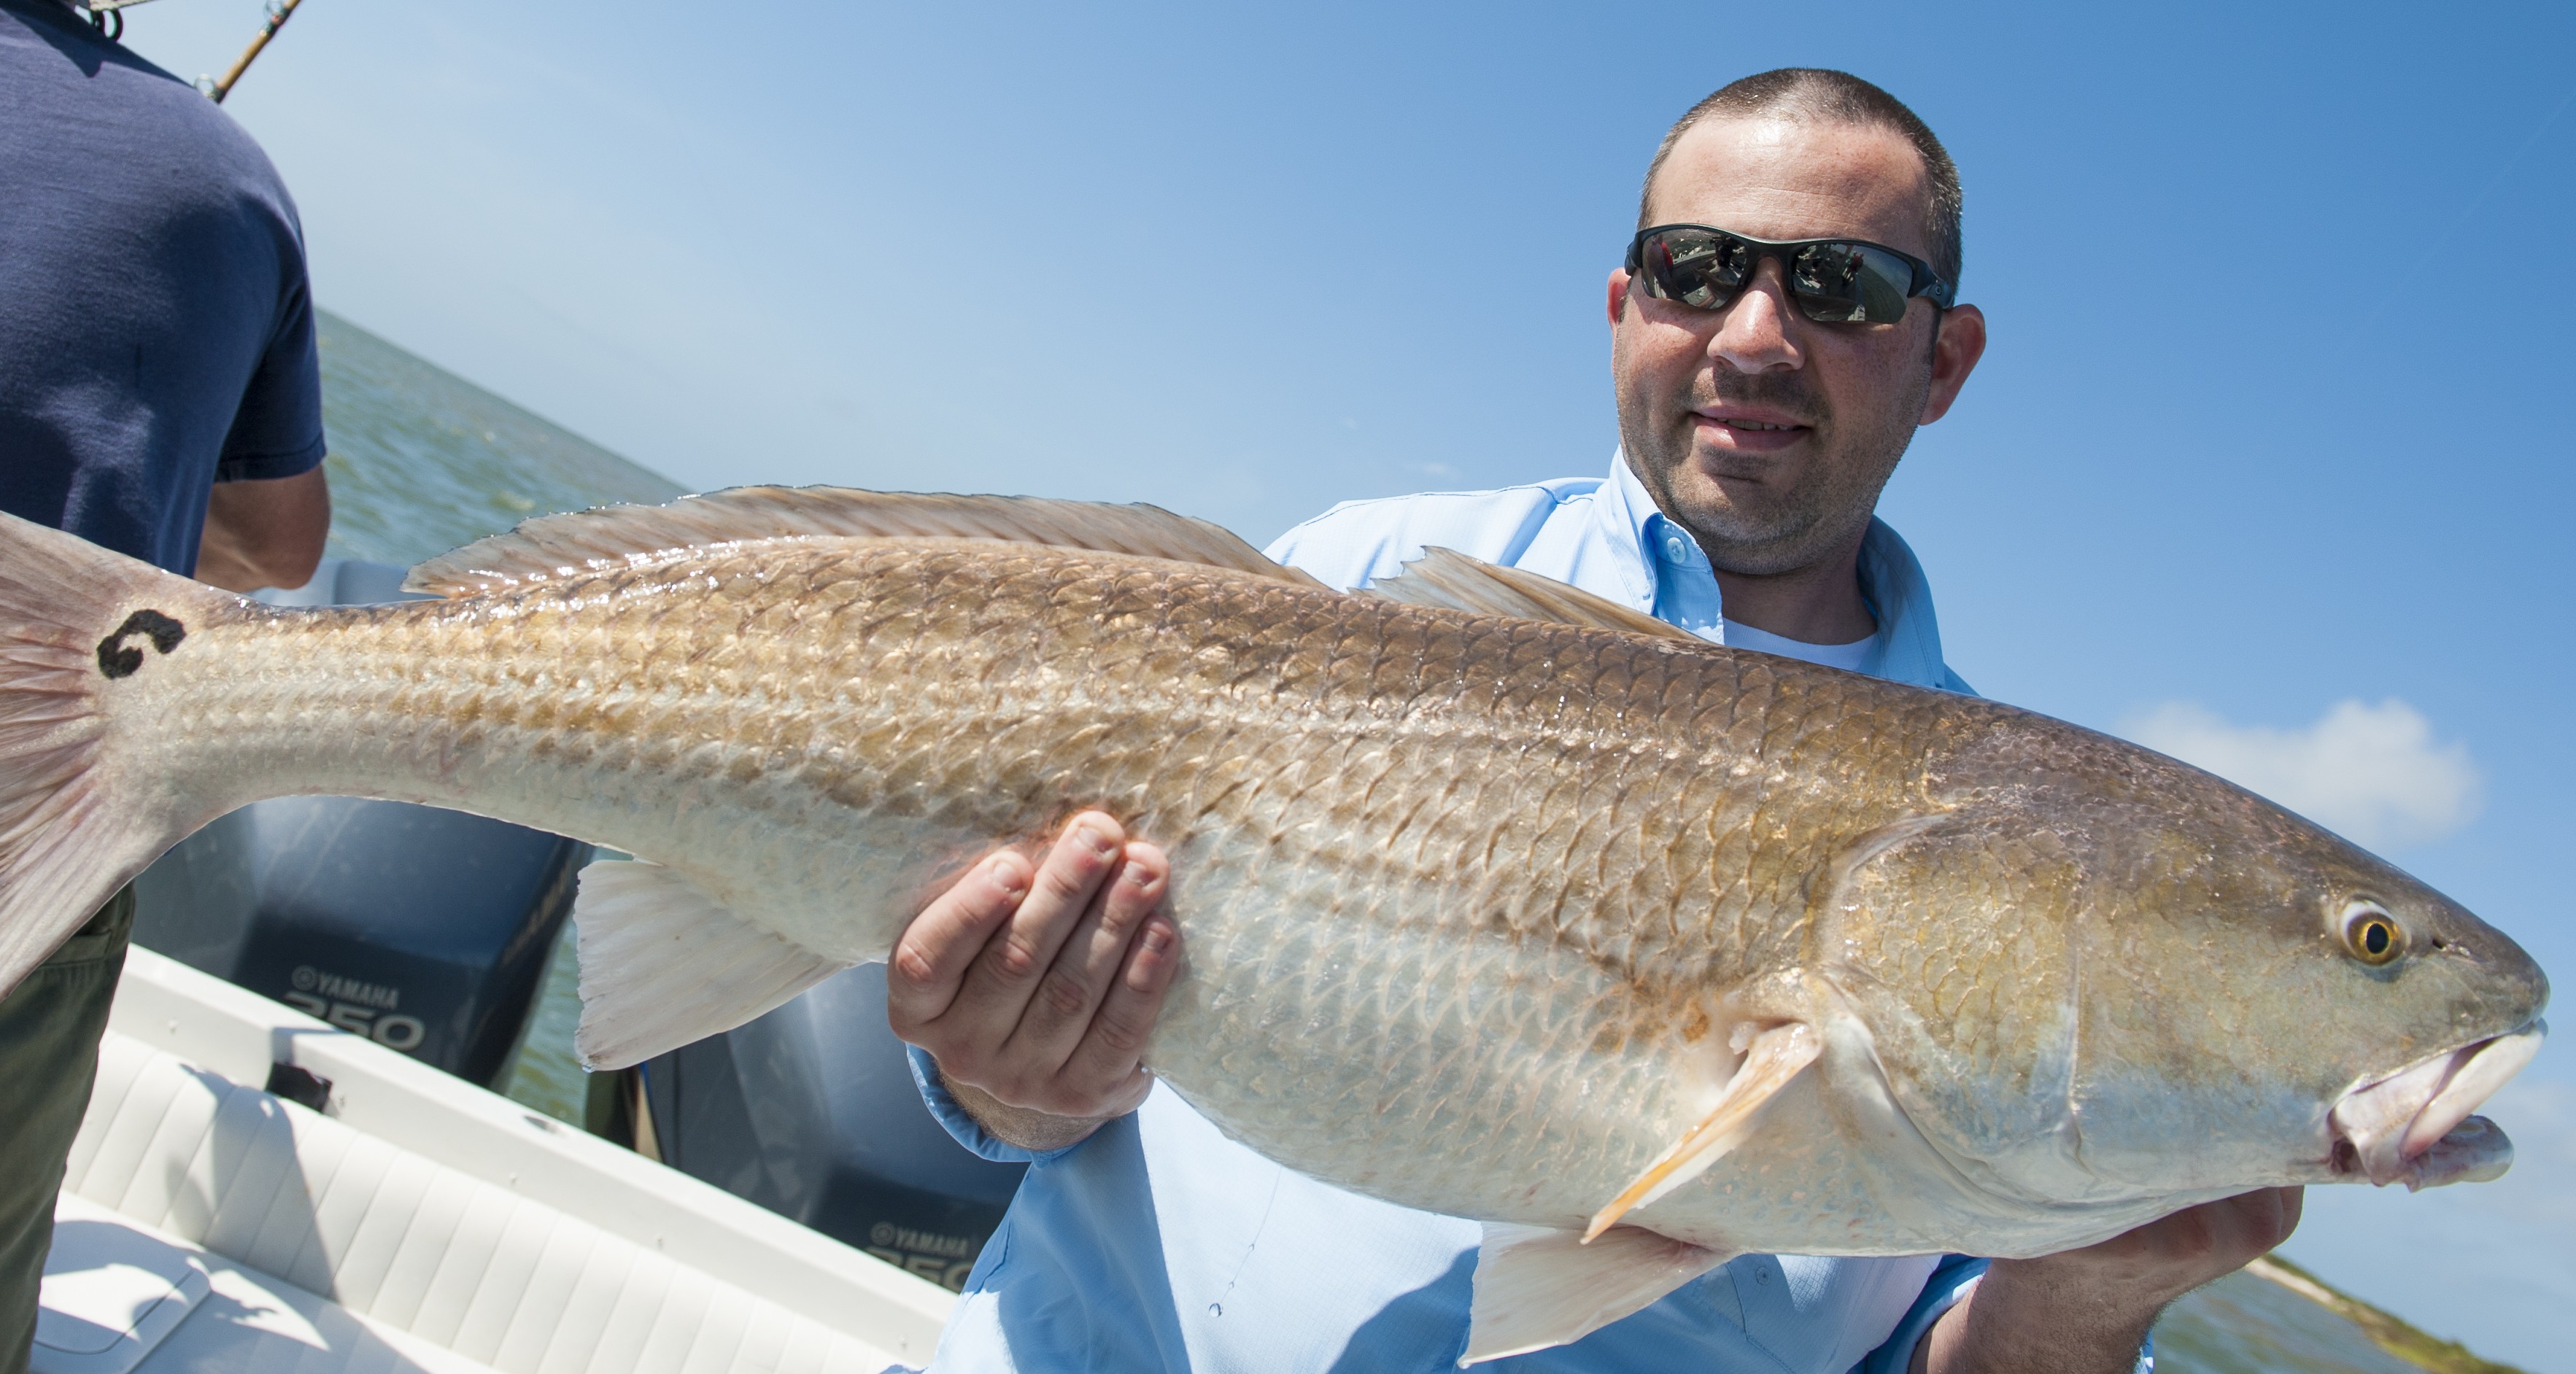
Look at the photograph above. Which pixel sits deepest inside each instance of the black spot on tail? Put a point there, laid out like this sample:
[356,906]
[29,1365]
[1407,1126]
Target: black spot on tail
[116,658]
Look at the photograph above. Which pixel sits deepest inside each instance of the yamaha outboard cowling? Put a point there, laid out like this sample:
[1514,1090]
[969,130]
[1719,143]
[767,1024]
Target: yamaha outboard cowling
[811,1111]
[425,930]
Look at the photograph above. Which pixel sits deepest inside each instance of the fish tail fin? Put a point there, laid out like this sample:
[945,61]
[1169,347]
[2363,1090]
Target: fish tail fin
[74,618]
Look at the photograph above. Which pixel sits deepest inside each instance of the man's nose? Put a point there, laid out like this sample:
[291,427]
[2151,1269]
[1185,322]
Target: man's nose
[1753,331]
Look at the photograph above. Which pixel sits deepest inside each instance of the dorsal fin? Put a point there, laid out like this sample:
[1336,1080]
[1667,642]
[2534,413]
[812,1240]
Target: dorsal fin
[583,542]
[1446,577]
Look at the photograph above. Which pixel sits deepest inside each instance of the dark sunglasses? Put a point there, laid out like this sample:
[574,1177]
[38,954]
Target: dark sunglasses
[1835,281]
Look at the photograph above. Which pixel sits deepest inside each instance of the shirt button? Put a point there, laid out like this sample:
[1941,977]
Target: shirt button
[1677,549]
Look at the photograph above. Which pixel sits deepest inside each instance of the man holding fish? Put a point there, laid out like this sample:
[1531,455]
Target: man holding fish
[1783,322]
[1554,978]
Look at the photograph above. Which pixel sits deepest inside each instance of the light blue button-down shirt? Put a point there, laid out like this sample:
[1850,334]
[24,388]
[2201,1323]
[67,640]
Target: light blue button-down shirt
[1159,1244]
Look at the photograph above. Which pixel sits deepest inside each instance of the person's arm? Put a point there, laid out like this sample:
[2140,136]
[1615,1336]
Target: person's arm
[1035,1131]
[1035,987]
[265,533]
[2088,1310]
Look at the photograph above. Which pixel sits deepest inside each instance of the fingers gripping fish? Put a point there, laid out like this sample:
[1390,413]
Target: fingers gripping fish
[1500,900]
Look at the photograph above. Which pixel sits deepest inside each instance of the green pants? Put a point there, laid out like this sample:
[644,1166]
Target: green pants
[49,1030]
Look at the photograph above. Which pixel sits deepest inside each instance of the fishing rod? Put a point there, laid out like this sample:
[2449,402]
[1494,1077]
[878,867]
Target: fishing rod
[108,17]
[278,12]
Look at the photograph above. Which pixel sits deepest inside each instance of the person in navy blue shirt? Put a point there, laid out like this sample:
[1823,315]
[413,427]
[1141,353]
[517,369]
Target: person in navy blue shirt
[1783,323]
[160,395]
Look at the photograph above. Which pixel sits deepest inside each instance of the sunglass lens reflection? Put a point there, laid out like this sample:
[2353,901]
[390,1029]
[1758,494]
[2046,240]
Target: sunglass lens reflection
[1848,283]
[1697,269]
[1833,283]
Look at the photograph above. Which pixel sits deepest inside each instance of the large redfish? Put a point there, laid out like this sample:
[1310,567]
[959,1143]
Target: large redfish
[1500,900]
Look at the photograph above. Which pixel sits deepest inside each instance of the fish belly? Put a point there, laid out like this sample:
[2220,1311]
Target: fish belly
[1476,1078]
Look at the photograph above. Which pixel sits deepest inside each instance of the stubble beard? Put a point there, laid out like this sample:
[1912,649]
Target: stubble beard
[1833,494]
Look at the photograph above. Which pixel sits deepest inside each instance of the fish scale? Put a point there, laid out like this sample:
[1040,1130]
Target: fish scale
[1527,920]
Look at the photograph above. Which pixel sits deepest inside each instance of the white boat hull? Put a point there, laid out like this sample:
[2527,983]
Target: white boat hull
[422,1223]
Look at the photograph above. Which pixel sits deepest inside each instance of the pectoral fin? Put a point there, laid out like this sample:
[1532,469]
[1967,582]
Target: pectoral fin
[1537,1287]
[664,964]
[1775,1056]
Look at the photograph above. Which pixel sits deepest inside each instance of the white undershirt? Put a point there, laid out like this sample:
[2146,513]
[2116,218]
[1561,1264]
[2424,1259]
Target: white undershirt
[1847,657]
[1686,595]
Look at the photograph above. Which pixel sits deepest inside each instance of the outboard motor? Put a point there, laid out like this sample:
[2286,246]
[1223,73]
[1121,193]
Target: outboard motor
[422,929]
[811,1111]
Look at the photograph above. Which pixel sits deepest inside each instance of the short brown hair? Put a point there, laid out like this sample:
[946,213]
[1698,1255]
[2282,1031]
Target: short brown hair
[1818,93]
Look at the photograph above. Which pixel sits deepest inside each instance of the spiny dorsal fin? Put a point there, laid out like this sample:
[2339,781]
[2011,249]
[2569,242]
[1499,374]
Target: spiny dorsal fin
[583,542]
[1446,577]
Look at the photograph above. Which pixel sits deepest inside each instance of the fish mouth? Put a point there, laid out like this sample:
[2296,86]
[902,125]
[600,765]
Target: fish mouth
[2414,1126]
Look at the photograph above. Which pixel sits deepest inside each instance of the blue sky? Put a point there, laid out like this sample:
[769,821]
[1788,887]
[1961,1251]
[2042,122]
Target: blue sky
[2274,417]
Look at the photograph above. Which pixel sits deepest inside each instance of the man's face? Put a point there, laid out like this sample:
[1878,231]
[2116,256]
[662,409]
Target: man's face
[1766,434]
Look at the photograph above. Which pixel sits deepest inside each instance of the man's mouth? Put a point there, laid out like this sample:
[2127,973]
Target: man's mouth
[2414,1127]
[1748,430]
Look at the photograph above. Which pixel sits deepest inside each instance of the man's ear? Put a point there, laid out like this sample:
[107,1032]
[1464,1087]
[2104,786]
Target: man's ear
[1618,293]
[1958,342]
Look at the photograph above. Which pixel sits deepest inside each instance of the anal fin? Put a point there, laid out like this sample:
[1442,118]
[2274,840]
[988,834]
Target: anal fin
[1775,1056]
[1537,1287]
[664,964]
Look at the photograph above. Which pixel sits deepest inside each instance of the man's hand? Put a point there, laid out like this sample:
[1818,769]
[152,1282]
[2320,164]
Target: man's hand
[265,533]
[1035,989]
[2089,1309]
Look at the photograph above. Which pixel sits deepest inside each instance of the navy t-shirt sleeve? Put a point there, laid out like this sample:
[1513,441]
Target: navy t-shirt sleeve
[156,325]
[277,431]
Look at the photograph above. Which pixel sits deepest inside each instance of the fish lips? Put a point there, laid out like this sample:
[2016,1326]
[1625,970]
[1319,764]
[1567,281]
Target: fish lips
[2414,1126]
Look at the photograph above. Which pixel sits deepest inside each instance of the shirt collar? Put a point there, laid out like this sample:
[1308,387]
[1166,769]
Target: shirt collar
[1624,515]
[1907,647]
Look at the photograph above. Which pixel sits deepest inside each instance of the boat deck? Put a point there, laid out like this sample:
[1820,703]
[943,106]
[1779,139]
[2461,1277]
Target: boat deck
[416,1223]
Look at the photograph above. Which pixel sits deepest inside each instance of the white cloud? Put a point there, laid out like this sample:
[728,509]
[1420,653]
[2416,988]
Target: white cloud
[2371,773]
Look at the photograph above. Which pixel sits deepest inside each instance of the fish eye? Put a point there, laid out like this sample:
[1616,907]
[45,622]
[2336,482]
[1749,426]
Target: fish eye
[2371,934]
